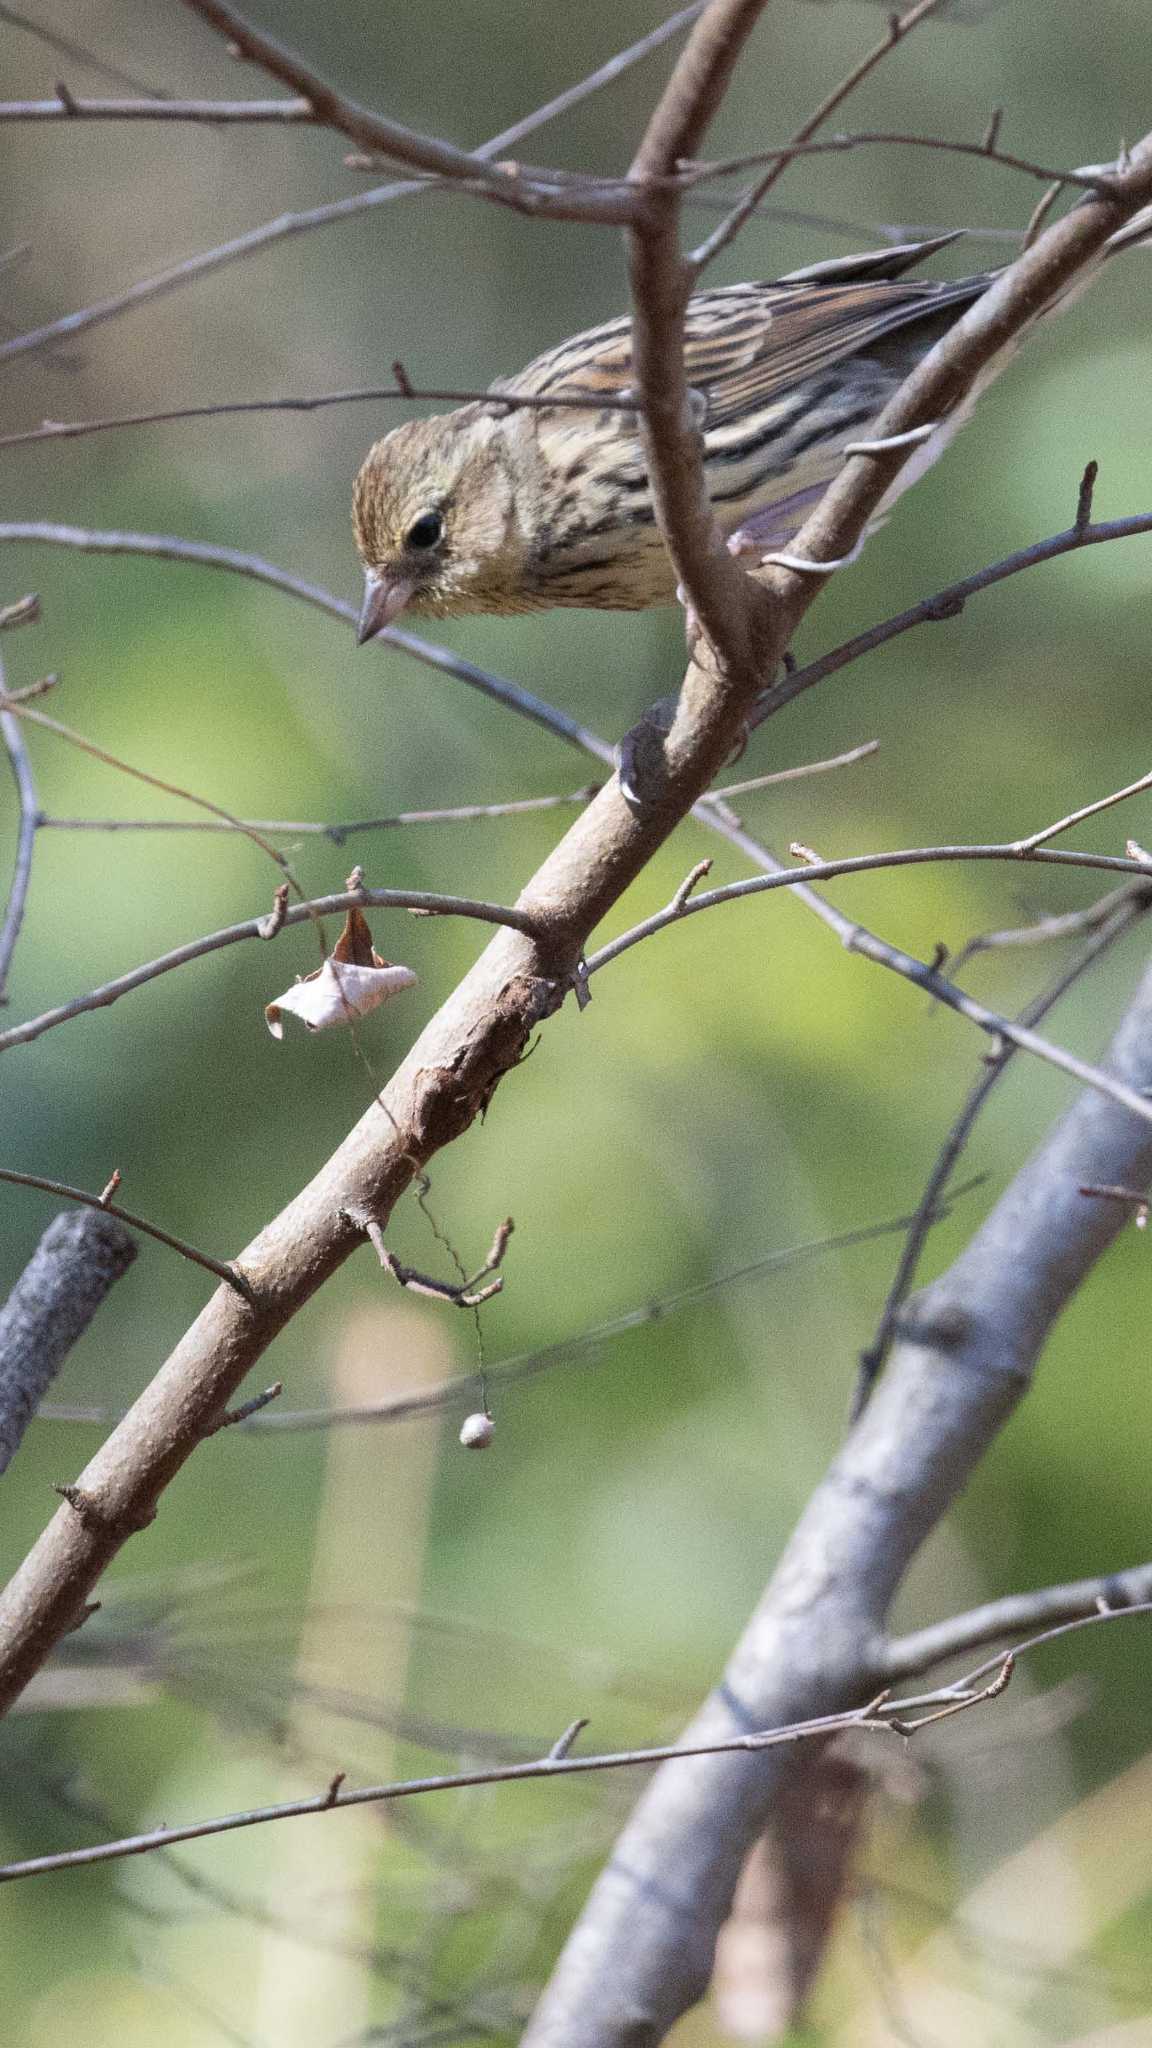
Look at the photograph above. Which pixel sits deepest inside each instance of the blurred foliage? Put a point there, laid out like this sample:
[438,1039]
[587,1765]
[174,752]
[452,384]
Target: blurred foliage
[746,1085]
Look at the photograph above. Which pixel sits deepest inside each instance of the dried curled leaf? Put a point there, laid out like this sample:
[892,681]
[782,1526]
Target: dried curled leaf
[353,981]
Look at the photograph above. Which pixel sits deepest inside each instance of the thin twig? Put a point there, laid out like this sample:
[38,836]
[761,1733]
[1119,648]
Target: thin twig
[949,602]
[577,1350]
[251,928]
[79,53]
[505,183]
[836,145]
[204,555]
[456,814]
[1068,924]
[797,774]
[72,430]
[879,1713]
[289,225]
[899,26]
[10,706]
[21,768]
[68,106]
[1103,803]
[231,1274]
[1126,908]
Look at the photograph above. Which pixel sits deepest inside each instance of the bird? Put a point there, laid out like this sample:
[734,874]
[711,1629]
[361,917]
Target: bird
[499,509]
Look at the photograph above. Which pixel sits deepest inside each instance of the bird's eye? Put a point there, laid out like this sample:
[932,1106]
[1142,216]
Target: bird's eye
[425,532]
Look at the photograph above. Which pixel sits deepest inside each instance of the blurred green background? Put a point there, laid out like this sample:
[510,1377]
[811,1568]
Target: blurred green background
[381,1602]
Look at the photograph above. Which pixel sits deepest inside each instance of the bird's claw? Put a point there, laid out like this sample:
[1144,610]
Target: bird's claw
[640,755]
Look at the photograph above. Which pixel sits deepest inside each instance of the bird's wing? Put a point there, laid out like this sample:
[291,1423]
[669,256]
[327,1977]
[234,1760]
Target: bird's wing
[747,345]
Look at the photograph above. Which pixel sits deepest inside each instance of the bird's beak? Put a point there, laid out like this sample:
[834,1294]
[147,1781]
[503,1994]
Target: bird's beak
[384,599]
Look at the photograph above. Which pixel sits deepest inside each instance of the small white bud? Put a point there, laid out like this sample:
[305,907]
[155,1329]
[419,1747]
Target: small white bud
[477,1431]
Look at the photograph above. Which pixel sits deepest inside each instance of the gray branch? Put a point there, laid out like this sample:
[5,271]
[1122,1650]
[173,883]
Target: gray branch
[642,1950]
[75,1263]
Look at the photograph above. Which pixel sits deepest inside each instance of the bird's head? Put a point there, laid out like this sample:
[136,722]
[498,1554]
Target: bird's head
[439,519]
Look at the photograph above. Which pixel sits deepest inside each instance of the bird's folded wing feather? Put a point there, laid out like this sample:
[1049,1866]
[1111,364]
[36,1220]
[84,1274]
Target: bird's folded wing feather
[747,345]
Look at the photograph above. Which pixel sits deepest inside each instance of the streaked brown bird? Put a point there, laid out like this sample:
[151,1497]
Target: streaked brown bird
[494,510]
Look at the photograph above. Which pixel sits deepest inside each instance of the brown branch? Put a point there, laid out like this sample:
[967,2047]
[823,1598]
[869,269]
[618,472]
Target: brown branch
[949,602]
[592,200]
[429,905]
[641,1950]
[72,430]
[68,106]
[720,596]
[837,145]
[576,1350]
[291,224]
[229,1274]
[899,26]
[75,1263]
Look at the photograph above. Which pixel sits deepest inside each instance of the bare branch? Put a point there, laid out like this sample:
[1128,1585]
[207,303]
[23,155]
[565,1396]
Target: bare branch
[30,817]
[595,201]
[229,1274]
[838,145]
[1066,924]
[72,430]
[720,596]
[949,602]
[69,107]
[1103,803]
[204,555]
[1085,1600]
[291,224]
[1126,907]
[880,1714]
[455,814]
[899,26]
[643,1945]
[75,1263]
[251,928]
